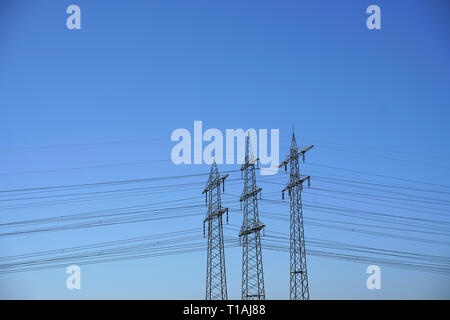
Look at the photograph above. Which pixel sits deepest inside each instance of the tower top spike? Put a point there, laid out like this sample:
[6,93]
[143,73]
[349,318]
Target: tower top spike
[214,171]
[249,156]
[293,141]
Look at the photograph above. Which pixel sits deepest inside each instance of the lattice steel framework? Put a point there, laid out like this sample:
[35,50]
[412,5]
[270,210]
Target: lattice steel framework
[299,289]
[252,266]
[216,282]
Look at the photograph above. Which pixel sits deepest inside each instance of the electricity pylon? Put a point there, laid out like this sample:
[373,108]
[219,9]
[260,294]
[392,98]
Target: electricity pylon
[299,289]
[216,282]
[252,266]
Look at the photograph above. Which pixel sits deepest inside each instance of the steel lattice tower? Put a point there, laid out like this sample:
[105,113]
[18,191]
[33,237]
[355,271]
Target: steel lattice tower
[216,282]
[299,289]
[252,267]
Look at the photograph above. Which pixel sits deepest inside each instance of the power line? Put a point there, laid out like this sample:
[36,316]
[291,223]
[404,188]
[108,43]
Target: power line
[112,182]
[387,158]
[89,144]
[378,175]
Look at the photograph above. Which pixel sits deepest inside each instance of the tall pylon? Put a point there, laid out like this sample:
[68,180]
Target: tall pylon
[252,266]
[216,282]
[299,289]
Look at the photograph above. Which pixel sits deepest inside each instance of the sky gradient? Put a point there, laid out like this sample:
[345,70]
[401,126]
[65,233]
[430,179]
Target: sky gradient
[100,103]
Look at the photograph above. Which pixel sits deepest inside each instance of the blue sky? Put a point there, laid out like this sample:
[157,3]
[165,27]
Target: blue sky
[137,70]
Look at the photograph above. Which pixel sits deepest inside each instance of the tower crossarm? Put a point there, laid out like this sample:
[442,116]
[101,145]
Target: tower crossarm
[215,214]
[215,183]
[296,183]
[257,227]
[295,153]
[249,194]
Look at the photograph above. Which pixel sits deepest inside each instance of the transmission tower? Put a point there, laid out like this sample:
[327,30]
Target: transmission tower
[299,289]
[252,267]
[216,282]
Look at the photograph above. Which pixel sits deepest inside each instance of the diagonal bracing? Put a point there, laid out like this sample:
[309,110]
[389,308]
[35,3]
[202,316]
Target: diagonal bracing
[216,283]
[252,266]
[299,289]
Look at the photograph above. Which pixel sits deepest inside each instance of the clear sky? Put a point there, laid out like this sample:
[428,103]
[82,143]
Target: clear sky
[100,103]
